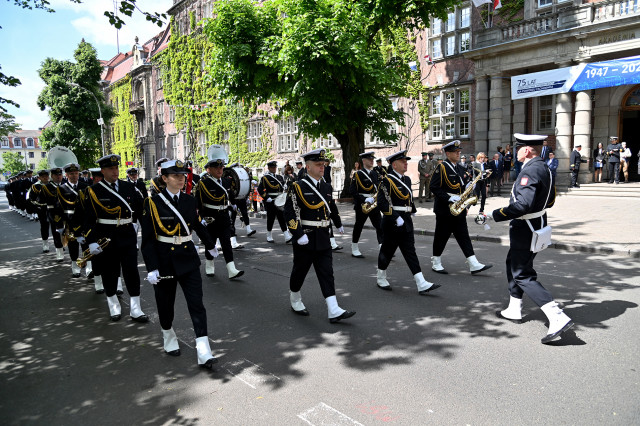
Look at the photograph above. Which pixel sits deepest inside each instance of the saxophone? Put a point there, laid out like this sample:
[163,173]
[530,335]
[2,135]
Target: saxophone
[368,207]
[466,199]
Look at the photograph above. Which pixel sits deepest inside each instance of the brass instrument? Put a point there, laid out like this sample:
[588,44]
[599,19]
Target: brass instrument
[466,199]
[67,236]
[86,255]
[368,207]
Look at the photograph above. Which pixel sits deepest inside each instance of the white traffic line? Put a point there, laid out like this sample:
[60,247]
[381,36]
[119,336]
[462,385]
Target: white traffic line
[249,373]
[322,414]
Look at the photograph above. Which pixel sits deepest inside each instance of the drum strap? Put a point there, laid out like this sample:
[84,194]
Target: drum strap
[218,183]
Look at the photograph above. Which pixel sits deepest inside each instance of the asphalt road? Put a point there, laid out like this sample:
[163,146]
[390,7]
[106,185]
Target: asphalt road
[403,359]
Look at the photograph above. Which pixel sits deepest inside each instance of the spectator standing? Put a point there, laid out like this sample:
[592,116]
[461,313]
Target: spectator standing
[544,151]
[625,158]
[599,155]
[423,164]
[574,166]
[552,163]
[506,164]
[480,190]
[613,150]
[496,174]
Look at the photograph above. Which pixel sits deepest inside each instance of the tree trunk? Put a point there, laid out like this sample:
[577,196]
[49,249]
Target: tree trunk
[352,144]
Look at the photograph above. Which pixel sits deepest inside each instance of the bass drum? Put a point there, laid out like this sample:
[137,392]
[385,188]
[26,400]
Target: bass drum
[240,181]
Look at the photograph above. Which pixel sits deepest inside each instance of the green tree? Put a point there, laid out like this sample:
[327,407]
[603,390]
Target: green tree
[321,60]
[72,109]
[7,123]
[42,164]
[12,162]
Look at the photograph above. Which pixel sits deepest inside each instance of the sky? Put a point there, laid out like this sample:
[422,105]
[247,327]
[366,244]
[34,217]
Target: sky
[28,37]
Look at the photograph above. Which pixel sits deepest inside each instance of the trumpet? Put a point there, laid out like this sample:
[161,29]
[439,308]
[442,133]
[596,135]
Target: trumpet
[86,255]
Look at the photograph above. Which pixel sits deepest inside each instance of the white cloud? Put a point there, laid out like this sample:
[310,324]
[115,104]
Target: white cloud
[28,115]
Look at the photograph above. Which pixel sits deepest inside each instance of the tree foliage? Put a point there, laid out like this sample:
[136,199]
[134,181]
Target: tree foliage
[73,110]
[320,59]
[12,162]
[7,124]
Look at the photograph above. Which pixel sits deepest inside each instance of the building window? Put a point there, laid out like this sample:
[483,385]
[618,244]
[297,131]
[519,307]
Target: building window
[465,42]
[32,166]
[450,127]
[330,142]
[5,142]
[449,102]
[464,101]
[436,102]
[436,49]
[254,136]
[207,9]
[436,131]
[30,143]
[202,144]
[287,135]
[436,28]
[545,113]
[17,143]
[158,80]
[465,17]
[545,3]
[32,155]
[451,45]
[172,114]
[160,109]
[173,145]
[43,154]
[464,125]
[451,21]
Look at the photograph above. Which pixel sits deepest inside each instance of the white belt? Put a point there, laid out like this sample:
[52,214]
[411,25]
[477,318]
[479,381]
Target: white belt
[213,207]
[402,208]
[115,221]
[316,223]
[274,194]
[69,211]
[533,215]
[367,195]
[50,206]
[175,240]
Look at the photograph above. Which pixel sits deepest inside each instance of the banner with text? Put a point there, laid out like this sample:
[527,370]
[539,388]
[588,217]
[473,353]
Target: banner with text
[596,75]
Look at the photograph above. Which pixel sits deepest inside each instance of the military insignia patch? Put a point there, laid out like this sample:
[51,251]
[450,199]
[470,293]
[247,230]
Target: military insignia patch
[293,224]
[524,181]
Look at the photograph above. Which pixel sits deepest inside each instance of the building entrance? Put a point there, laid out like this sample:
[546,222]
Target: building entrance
[630,130]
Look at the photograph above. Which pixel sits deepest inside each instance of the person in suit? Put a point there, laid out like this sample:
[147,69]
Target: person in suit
[574,165]
[111,209]
[613,151]
[308,212]
[363,189]
[168,221]
[447,185]
[532,195]
[544,151]
[552,163]
[599,156]
[495,179]
[480,190]
[271,185]
[395,200]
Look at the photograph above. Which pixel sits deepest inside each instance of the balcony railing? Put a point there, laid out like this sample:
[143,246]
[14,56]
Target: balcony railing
[571,17]
[136,106]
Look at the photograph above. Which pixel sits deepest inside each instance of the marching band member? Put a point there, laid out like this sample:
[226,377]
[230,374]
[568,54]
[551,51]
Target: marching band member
[49,197]
[240,205]
[308,211]
[447,184]
[132,176]
[93,265]
[533,193]
[363,188]
[395,201]
[69,195]
[27,183]
[168,219]
[213,195]
[111,208]
[41,209]
[157,184]
[271,185]
[379,169]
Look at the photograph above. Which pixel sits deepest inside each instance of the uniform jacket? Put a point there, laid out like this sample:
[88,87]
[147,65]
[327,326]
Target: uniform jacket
[496,170]
[158,219]
[575,160]
[102,204]
[614,150]
[363,183]
[311,207]
[553,166]
[209,193]
[422,169]
[392,194]
[157,185]
[71,202]
[529,195]
[447,179]
[381,171]
[327,174]
[141,187]
[49,197]
[544,152]
[34,197]
[270,184]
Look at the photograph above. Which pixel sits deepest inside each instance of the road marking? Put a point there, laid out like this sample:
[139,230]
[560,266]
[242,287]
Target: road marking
[249,373]
[322,414]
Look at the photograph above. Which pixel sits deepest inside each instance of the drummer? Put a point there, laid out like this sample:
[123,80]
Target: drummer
[241,178]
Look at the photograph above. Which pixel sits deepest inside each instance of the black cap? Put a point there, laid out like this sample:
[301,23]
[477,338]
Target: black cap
[298,161]
[430,154]
[109,161]
[379,160]
[398,156]
[161,160]
[425,153]
[84,172]
[173,167]
[216,162]
[528,140]
[26,172]
[71,167]
[56,171]
[96,172]
[315,155]
[133,170]
[369,154]
[272,163]
[43,172]
[452,146]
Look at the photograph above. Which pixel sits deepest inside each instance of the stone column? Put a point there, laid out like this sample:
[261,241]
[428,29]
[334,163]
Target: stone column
[519,116]
[495,114]
[505,131]
[563,138]
[582,132]
[481,118]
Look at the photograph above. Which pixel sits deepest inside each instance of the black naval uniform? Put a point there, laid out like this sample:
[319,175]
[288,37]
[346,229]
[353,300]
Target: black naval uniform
[448,180]
[7,191]
[213,205]
[139,183]
[381,171]
[27,183]
[49,197]
[312,219]
[529,195]
[241,206]
[394,200]
[364,185]
[69,197]
[157,185]
[168,248]
[302,173]
[614,149]
[272,185]
[40,209]
[107,216]
[575,160]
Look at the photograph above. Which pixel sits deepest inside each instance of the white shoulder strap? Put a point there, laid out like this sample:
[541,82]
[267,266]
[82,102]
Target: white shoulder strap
[116,194]
[545,203]
[321,197]
[403,184]
[71,188]
[176,212]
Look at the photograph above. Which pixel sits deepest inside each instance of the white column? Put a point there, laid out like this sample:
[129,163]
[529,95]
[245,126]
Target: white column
[563,137]
[582,131]
[481,117]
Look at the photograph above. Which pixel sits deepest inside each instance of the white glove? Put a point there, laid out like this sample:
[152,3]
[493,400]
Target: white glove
[153,277]
[94,248]
[204,222]
[81,240]
[399,221]
[489,215]
[60,231]
[454,198]
[341,230]
[268,200]
[214,252]
[197,247]
[304,240]
[369,200]
[235,208]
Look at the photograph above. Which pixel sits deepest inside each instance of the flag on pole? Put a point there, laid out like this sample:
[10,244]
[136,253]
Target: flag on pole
[478,3]
[428,58]
[497,4]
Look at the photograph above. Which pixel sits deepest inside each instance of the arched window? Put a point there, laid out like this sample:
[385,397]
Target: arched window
[139,92]
[30,143]
[17,143]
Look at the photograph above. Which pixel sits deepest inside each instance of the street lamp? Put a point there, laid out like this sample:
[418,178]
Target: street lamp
[100,120]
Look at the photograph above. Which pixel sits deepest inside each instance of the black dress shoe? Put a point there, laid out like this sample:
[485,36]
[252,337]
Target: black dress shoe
[90,276]
[515,321]
[271,241]
[359,256]
[385,287]
[337,248]
[173,353]
[251,233]
[75,275]
[141,318]
[345,315]
[45,251]
[119,292]
[238,275]
[303,312]
[555,336]
[116,317]
[433,287]
[100,291]
[289,240]
[443,271]
[480,270]
[209,364]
